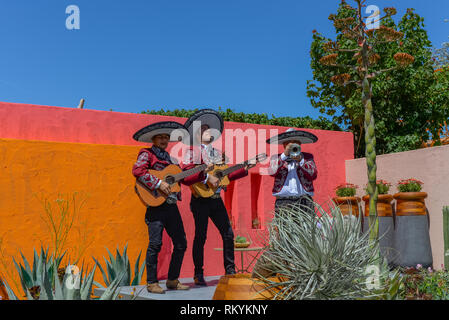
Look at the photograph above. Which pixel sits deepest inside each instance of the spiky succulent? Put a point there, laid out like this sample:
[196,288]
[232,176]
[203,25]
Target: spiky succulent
[326,257]
[118,265]
[32,278]
[43,283]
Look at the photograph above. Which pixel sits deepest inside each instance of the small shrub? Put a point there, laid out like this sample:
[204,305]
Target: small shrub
[346,190]
[382,186]
[410,185]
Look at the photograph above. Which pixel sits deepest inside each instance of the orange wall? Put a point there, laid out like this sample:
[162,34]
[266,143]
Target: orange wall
[113,212]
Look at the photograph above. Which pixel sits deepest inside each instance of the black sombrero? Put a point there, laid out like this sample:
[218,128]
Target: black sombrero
[165,127]
[207,117]
[295,135]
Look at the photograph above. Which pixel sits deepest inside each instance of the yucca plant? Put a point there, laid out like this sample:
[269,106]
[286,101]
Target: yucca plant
[326,257]
[118,265]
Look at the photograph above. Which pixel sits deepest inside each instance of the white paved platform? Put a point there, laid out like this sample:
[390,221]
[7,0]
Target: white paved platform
[195,292]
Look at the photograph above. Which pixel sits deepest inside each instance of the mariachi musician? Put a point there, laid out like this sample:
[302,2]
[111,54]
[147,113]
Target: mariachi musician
[294,171]
[165,216]
[201,151]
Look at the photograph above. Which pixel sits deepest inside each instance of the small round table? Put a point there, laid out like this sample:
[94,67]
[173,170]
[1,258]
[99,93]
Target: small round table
[254,257]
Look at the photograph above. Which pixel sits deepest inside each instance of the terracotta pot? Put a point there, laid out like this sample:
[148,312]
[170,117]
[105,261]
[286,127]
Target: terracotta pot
[3,293]
[384,206]
[348,205]
[410,203]
[242,287]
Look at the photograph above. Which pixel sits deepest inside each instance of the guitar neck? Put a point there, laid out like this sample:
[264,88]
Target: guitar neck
[233,168]
[190,172]
[242,165]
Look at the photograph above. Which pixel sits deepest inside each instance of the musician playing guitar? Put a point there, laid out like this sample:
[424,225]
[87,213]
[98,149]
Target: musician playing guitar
[211,207]
[165,216]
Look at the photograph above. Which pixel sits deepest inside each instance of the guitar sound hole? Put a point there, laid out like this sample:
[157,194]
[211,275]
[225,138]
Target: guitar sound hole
[219,174]
[170,179]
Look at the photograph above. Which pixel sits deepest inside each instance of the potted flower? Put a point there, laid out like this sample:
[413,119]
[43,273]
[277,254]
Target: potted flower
[384,206]
[410,199]
[346,199]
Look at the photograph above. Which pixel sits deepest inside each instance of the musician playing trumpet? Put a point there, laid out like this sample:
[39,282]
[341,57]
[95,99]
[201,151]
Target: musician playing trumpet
[294,171]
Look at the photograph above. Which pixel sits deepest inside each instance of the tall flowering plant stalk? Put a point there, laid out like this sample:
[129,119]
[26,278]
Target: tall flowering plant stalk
[364,45]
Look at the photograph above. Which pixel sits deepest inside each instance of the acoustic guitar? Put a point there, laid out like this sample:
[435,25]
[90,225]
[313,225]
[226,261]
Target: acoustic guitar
[171,174]
[221,171]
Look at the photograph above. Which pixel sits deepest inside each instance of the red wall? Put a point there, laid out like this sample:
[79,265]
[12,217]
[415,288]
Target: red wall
[245,199]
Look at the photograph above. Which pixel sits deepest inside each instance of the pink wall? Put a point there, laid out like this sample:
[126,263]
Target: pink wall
[246,198]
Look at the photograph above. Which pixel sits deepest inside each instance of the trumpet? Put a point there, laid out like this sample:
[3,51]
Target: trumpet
[295,150]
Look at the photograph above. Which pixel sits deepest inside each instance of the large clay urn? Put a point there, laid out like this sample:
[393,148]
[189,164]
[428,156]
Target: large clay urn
[348,205]
[386,224]
[410,203]
[242,287]
[412,238]
[384,206]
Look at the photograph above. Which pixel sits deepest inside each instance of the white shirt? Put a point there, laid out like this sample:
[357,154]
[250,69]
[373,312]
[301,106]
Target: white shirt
[208,149]
[292,186]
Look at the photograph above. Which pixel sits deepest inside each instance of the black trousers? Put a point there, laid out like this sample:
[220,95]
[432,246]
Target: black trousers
[305,202]
[166,217]
[203,209]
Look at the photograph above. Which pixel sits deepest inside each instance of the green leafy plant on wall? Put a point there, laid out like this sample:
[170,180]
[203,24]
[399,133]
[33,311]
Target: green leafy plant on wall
[256,118]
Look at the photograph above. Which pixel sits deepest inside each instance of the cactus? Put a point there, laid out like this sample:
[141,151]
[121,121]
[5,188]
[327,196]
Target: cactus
[446,236]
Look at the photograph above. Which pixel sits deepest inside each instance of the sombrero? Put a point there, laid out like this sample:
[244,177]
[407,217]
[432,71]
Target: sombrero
[147,133]
[293,135]
[208,117]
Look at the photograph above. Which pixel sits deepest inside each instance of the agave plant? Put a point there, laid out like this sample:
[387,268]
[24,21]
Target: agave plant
[43,264]
[118,265]
[320,257]
[43,283]
[71,288]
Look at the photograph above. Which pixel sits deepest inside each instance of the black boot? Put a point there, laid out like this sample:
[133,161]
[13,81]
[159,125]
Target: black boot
[199,280]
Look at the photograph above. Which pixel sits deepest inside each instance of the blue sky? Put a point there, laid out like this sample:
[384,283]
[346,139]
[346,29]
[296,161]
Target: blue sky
[129,56]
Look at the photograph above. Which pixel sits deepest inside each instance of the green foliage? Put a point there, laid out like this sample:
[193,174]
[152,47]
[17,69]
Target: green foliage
[426,284]
[119,265]
[319,257]
[44,266]
[410,185]
[42,281]
[382,187]
[406,102]
[229,115]
[346,192]
[240,239]
[394,288]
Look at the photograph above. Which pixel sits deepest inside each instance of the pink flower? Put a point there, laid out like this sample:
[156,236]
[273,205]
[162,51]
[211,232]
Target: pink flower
[419,266]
